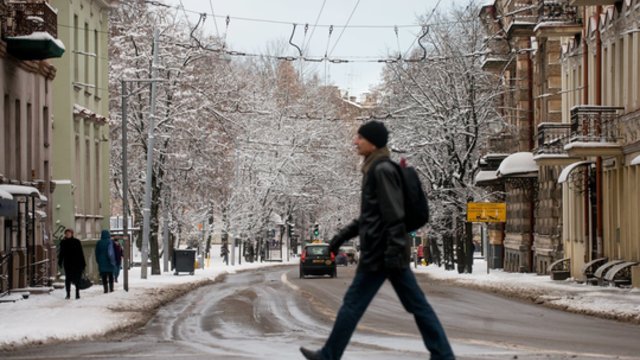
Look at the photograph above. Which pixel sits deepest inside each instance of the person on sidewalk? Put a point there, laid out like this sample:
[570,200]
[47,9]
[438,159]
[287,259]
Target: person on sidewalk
[106,259]
[385,252]
[71,258]
[117,249]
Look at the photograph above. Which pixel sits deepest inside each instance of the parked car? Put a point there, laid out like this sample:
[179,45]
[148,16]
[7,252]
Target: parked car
[316,259]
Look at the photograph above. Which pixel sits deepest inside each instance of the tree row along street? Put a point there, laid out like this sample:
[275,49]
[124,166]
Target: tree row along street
[267,313]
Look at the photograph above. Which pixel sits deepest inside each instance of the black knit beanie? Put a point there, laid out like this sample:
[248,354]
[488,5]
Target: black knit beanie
[375,132]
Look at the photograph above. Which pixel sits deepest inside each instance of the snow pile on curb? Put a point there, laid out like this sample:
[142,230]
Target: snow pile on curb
[606,302]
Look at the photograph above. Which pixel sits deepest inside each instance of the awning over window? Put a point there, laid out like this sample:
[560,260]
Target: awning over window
[36,46]
[635,161]
[520,164]
[564,174]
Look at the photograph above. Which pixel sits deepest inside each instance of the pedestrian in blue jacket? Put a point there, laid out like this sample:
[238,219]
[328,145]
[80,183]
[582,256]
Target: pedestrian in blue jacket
[106,259]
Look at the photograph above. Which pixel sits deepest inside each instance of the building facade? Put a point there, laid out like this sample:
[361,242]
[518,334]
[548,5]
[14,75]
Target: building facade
[81,131]
[571,79]
[29,32]
[602,188]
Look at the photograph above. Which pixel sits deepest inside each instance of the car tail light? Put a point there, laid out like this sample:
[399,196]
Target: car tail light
[333,256]
[303,256]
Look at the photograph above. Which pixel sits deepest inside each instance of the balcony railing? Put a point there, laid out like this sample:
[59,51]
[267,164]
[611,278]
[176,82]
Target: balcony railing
[552,137]
[26,17]
[557,11]
[595,124]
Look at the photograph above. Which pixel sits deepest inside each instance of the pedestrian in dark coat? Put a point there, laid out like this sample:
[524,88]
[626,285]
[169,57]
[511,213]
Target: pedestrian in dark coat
[118,254]
[71,259]
[106,259]
[385,250]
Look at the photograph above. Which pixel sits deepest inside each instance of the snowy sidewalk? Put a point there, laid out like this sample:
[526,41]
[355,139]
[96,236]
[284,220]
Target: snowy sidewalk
[49,317]
[606,302]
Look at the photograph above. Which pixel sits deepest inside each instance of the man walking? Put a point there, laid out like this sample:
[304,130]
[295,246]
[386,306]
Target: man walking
[71,258]
[385,252]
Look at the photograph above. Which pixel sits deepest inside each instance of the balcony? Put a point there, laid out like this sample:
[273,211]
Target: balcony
[552,137]
[497,56]
[594,131]
[520,18]
[557,18]
[30,29]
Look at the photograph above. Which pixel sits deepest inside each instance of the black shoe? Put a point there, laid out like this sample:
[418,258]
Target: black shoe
[310,354]
[67,297]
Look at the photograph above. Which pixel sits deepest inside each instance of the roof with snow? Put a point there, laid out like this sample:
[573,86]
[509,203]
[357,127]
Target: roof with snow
[518,164]
[635,161]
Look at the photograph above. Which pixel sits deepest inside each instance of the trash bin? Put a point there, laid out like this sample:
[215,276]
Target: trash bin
[184,261]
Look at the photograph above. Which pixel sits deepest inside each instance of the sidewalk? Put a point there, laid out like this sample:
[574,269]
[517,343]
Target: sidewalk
[606,302]
[44,318]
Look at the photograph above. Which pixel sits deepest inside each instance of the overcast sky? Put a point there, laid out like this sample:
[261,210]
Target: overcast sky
[370,43]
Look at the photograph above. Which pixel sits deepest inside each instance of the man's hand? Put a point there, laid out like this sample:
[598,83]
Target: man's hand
[334,245]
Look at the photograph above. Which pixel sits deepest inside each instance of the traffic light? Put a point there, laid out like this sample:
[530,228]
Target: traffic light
[316,230]
[290,231]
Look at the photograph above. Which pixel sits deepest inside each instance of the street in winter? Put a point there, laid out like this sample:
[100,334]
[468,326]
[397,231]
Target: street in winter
[263,312]
[327,179]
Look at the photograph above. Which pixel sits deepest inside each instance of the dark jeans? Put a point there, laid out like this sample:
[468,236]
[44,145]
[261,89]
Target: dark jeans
[107,276]
[362,290]
[71,278]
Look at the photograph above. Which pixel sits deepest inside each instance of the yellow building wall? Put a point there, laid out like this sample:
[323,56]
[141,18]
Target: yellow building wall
[575,241]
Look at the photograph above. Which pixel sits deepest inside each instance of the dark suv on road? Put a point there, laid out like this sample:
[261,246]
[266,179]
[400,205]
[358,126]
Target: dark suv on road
[316,259]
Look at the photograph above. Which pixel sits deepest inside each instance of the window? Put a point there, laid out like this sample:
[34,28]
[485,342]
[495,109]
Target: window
[96,51]
[7,137]
[619,64]
[18,142]
[76,57]
[97,177]
[88,178]
[86,57]
[29,140]
[77,175]
[629,71]
[45,126]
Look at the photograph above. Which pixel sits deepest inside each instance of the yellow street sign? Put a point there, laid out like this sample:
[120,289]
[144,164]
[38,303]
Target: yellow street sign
[486,212]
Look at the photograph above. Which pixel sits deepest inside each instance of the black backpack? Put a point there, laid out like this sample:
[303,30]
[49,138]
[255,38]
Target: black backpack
[416,207]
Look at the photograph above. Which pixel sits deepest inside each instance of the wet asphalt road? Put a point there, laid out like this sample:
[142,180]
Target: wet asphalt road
[269,313]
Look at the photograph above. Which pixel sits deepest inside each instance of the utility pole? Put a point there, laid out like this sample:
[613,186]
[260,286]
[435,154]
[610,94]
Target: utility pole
[125,189]
[146,211]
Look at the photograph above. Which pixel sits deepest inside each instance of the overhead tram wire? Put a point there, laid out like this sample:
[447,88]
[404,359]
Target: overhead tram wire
[281,22]
[326,58]
[214,18]
[304,48]
[344,28]
[419,36]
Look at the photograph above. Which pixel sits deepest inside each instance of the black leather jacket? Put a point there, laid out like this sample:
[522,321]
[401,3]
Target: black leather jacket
[384,243]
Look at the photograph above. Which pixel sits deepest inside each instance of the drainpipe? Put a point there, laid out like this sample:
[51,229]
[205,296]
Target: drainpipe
[585,100]
[598,101]
[531,144]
